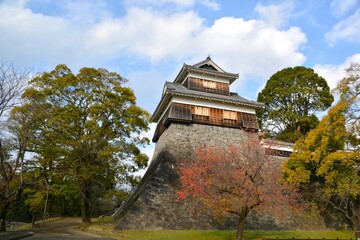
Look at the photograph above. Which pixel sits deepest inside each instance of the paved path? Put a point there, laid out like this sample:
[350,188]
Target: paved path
[60,229]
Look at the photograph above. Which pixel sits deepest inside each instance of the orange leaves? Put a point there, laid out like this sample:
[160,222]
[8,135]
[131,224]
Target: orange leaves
[227,179]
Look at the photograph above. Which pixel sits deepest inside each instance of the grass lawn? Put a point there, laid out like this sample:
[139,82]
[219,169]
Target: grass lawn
[104,227]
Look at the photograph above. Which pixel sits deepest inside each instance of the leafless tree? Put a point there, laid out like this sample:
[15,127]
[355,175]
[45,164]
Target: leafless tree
[12,84]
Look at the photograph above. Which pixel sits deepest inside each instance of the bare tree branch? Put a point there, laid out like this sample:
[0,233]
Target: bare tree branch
[12,84]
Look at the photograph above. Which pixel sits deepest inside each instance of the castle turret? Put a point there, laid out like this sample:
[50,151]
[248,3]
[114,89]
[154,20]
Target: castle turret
[197,109]
[201,94]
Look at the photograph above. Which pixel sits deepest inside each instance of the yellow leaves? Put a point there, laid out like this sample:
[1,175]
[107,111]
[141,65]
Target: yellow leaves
[32,93]
[325,139]
[320,165]
[295,172]
[340,170]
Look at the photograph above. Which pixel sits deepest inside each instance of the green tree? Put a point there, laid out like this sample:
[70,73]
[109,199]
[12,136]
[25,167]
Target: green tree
[325,170]
[90,128]
[292,96]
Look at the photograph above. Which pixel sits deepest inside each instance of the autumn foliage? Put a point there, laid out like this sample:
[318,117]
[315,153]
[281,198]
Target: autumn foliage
[233,180]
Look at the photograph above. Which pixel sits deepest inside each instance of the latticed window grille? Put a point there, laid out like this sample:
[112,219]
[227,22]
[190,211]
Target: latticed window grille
[202,111]
[229,115]
[209,84]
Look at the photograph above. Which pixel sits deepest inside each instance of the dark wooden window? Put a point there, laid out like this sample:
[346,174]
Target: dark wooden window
[180,111]
[249,120]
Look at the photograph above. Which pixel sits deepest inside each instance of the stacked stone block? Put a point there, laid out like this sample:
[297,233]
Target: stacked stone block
[154,204]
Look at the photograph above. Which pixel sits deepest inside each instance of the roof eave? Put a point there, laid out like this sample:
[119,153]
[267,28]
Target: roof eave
[163,103]
[156,115]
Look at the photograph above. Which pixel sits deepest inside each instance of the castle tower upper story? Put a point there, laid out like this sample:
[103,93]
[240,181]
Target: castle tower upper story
[201,94]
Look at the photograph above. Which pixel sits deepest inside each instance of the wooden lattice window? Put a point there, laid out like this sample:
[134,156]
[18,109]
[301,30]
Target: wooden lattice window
[209,84]
[229,115]
[202,111]
[180,111]
[249,120]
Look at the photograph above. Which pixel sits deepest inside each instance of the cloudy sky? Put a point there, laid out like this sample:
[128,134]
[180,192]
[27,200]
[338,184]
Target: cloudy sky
[147,41]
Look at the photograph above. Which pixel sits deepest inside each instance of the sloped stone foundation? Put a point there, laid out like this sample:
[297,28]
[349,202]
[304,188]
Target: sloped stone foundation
[154,204]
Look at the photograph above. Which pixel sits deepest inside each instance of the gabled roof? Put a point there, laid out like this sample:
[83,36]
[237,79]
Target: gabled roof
[207,67]
[209,64]
[175,89]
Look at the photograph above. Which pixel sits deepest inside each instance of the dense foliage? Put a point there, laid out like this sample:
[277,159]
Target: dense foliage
[77,140]
[292,97]
[325,166]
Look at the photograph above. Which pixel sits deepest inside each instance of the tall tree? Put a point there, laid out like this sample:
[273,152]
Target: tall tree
[90,128]
[349,89]
[233,181]
[292,96]
[12,83]
[17,173]
[324,170]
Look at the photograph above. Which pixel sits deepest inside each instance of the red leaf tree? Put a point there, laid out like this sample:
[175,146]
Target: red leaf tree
[233,180]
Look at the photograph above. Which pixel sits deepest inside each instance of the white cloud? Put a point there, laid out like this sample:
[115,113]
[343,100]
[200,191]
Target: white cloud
[212,4]
[29,37]
[251,48]
[334,73]
[347,29]
[342,7]
[146,33]
[247,47]
[275,14]
[183,3]
[80,12]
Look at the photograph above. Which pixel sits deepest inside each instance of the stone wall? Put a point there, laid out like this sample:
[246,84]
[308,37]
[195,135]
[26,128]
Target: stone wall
[154,204]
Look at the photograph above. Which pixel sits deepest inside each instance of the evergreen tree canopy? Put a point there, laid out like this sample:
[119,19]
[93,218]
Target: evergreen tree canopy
[292,96]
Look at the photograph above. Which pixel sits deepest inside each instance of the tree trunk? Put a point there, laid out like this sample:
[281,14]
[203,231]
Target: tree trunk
[356,225]
[85,204]
[241,224]
[33,219]
[3,210]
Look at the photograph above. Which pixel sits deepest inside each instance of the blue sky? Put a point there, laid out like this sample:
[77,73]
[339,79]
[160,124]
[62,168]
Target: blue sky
[147,41]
